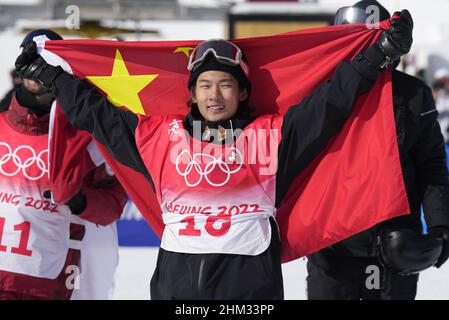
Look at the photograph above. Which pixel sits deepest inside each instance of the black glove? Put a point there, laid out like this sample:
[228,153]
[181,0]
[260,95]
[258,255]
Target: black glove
[41,72]
[31,66]
[442,232]
[77,204]
[28,55]
[397,40]
[392,43]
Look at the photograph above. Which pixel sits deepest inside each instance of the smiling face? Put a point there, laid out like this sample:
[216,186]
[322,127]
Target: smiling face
[217,95]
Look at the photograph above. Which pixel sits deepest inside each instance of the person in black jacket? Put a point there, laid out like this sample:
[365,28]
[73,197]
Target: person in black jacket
[212,253]
[346,269]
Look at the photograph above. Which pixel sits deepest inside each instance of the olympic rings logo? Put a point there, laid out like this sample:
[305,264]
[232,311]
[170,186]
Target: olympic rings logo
[209,168]
[23,165]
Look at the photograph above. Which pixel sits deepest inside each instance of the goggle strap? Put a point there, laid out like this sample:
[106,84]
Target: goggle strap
[194,63]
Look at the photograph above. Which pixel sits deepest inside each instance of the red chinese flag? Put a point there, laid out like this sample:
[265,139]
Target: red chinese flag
[354,184]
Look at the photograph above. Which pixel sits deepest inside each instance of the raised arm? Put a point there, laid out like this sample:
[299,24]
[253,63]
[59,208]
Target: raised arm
[85,107]
[308,126]
[89,110]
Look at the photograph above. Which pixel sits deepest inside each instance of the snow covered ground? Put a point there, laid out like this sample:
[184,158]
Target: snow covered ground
[137,264]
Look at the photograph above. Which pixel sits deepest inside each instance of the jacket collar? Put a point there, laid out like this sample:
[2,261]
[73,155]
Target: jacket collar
[195,121]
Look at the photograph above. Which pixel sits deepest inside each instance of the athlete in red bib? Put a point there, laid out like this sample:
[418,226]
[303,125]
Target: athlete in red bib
[219,173]
[41,241]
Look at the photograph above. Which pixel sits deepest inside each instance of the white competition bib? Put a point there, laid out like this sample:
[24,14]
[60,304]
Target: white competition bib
[214,198]
[238,229]
[32,241]
[34,232]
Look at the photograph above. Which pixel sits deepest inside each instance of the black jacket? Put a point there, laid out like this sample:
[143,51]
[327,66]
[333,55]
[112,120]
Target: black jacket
[423,161]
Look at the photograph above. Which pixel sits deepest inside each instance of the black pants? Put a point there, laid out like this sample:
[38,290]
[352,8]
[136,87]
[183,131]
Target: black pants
[219,276]
[354,278]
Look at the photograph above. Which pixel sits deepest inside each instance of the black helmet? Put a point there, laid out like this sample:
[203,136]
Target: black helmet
[358,13]
[39,32]
[407,252]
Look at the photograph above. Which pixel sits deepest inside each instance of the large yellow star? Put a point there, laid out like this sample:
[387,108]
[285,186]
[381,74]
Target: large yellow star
[121,87]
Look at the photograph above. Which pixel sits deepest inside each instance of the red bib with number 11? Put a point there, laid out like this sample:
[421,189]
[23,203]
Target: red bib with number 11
[33,230]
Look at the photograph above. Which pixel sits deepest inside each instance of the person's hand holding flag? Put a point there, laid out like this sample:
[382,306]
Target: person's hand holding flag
[28,55]
[398,39]
[32,66]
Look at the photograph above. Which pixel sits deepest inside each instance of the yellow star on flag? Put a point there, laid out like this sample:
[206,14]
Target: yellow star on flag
[185,50]
[121,87]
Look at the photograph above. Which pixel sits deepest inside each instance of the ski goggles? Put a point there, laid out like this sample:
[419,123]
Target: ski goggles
[224,51]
